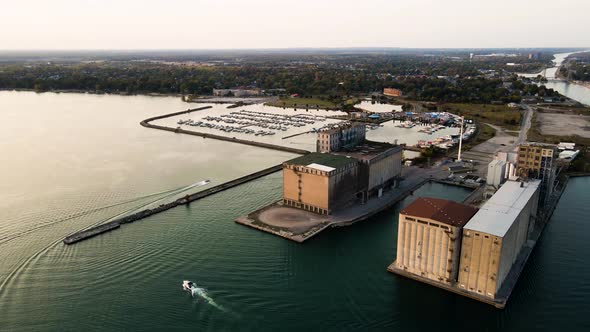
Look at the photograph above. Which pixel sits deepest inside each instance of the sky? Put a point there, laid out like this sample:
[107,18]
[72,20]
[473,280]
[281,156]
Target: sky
[234,24]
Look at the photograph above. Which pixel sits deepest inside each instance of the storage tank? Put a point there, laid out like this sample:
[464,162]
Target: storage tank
[496,173]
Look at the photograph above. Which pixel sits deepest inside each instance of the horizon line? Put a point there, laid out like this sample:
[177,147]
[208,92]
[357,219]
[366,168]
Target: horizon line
[289,48]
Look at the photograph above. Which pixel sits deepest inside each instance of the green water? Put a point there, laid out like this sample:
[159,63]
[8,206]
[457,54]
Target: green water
[130,279]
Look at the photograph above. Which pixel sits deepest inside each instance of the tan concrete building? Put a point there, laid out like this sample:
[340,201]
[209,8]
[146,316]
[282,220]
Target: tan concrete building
[429,238]
[494,237]
[320,182]
[391,92]
[342,135]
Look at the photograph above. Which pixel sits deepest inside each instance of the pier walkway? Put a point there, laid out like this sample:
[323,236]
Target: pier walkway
[114,224]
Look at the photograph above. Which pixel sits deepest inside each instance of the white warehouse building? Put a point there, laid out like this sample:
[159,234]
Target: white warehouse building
[494,237]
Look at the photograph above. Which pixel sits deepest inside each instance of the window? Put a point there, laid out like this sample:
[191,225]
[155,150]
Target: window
[410,219]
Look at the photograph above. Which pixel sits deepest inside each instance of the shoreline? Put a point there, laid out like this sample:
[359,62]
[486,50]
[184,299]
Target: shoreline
[146,94]
[585,84]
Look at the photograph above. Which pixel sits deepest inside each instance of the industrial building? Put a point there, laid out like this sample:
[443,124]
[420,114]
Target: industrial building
[494,237]
[391,92]
[536,161]
[380,166]
[429,238]
[496,173]
[346,169]
[342,135]
[237,92]
[319,182]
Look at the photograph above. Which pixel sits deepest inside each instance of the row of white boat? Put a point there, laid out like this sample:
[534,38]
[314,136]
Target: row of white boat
[264,119]
[431,129]
[246,122]
[406,124]
[272,121]
[447,141]
[228,129]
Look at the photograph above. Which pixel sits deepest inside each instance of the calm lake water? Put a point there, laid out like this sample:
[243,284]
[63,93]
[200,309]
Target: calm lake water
[72,160]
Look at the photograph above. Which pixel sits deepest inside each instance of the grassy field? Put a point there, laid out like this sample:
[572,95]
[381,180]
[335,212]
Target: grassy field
[500,115]
[302,103]
[484,133]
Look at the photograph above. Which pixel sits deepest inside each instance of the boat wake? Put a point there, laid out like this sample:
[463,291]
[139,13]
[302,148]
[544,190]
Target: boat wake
[166,193]
[201,293]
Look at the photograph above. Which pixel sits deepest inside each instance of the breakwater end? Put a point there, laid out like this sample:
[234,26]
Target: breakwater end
[114,224]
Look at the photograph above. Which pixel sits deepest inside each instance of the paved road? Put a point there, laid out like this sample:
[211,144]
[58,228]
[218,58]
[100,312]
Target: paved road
[484,153]
[525,126]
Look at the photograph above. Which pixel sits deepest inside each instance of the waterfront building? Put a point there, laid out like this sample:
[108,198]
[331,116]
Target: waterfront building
[320,182]
[342,135]
[380,166]
[429,238]
[493,239]
[237,92]
[391,92]
[536,161]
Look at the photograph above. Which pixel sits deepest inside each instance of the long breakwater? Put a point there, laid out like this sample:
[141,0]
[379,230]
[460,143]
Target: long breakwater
[146,123]
[114,224]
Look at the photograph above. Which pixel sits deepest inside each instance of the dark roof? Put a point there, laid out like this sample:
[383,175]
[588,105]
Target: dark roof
[441,210]
[326,159]
[367,150]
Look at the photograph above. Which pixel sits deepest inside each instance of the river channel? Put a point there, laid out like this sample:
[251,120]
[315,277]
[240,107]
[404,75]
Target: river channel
[570,90]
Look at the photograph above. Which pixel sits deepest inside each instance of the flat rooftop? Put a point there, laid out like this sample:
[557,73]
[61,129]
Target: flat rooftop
[441,210]
[539,144]
[341,126]
[367,150]
[322,159]
[498,214]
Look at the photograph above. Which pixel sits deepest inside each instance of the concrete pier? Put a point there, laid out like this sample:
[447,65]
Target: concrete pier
[304,225]
[114,224]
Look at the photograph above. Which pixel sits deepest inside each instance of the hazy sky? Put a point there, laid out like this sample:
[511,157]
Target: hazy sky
[207,24]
